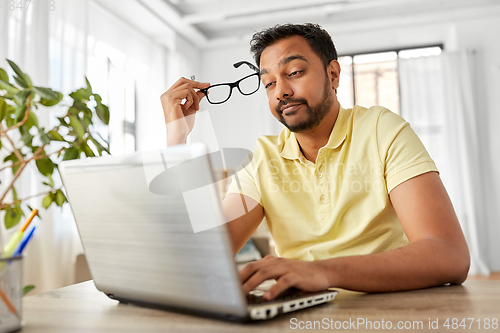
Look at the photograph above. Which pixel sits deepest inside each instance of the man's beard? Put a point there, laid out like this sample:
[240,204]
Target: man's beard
[314,115]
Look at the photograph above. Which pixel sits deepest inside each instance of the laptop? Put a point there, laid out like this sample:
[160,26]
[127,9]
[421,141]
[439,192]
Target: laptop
[154,234]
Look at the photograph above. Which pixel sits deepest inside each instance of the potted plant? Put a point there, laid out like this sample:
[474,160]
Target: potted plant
[24,141]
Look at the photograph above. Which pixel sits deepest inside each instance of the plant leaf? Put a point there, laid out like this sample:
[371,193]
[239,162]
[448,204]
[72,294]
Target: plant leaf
[51,102]
[56,136]
[27,289]
[20,73]
[71,154]
[10,121]
[87,120]
[8,87]
[13,216]
[47,201]
[32,120]
[3,109]
[98,98]
[60,198]
[27,139]
[45,138]
[20,111]
[3,75]
[81,95]
[45,166]
[48,94]
[62,121]
[21,82]
[22,78]
[13,158]
[20,97]
[28,80]
[89,87]
[103,113]
[51,181]
[86,149]
[75,122]
[16,68]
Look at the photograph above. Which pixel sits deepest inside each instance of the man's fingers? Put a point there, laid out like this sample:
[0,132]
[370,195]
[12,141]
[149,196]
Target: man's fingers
[196,98]
[173,102]
[200,96]
[184,89]
[283,283]
[263,274]
[194,84]
[192,98]
[252,267]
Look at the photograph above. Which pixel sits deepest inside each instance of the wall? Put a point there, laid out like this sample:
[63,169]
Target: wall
[241,120]
[481,34]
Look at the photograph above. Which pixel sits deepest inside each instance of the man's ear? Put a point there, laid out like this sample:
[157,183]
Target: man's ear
[333,70]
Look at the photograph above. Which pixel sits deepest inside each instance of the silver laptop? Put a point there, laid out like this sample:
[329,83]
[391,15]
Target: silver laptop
[154,234]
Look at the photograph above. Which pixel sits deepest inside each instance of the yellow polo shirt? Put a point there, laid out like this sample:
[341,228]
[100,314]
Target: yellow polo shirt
[338,206]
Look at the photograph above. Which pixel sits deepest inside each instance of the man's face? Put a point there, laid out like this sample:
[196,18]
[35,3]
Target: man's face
[300,90]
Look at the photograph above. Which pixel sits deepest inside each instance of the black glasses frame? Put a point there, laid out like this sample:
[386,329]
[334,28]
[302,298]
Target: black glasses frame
[234,84]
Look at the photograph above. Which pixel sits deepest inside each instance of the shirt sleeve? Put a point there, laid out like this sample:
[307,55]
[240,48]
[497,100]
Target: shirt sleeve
[401,151]
[245,181]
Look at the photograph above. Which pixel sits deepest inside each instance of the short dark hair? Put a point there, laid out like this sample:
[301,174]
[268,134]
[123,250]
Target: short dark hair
[319,40]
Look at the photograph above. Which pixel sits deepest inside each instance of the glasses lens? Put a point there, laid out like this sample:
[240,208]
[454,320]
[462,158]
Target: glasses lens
[218,94]
[249,85]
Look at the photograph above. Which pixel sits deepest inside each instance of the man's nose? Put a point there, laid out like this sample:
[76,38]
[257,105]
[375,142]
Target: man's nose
[283,90]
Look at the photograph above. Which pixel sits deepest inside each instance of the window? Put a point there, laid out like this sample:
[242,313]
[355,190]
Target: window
[109,74]
[373,78]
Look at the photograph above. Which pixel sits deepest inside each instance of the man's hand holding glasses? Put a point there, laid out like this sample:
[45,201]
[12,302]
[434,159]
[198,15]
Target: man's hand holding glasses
[182,100]
[180,103]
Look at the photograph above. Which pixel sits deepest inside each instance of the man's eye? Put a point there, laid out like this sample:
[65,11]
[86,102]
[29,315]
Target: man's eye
[294,73]
[268,85]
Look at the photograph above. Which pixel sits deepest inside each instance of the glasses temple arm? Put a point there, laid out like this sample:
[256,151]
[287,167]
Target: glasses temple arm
[238,64]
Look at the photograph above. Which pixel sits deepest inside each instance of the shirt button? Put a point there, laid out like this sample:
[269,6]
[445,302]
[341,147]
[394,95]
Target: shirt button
[322,198]
[321,152]
[320,175]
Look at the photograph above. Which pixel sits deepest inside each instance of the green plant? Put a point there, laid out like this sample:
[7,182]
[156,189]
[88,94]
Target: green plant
[25,142]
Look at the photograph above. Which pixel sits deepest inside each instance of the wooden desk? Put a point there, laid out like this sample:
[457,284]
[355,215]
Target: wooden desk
[81,308]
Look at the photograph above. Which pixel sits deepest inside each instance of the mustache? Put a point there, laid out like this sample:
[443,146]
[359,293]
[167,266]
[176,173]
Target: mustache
[285,102]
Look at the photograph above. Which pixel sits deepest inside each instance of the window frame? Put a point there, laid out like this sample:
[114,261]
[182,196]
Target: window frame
[397,51]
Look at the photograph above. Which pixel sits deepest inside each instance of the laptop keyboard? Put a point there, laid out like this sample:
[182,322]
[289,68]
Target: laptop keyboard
[255,296]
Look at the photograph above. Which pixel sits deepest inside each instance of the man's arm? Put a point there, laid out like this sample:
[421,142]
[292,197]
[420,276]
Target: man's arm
[244,214]
[437,253]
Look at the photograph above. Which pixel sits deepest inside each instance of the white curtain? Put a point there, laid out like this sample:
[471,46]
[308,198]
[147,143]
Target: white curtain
[438,100]
[57,48]
[50,45]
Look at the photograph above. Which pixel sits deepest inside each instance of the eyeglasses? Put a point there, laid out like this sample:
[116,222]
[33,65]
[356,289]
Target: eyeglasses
[220,93]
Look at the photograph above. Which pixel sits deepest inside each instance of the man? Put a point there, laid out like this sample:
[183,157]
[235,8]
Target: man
[351,197]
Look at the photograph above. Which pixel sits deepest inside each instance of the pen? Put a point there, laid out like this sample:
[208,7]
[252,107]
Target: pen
[25,241]
[16,238]
[7,302]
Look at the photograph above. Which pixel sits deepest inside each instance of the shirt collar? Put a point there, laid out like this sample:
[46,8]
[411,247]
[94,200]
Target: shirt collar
[291,149]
